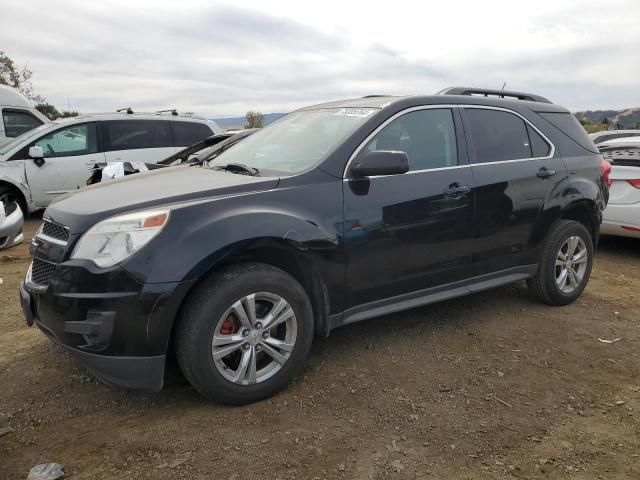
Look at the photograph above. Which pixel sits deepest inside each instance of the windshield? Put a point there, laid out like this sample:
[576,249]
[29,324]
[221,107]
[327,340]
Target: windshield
[296,142]
[7,147]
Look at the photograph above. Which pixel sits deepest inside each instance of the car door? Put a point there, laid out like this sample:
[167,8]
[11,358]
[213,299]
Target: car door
[137,140]
[517,173]
[405,233]
[69,154]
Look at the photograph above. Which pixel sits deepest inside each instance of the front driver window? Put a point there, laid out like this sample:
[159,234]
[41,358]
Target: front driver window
[426,136]
[70,141]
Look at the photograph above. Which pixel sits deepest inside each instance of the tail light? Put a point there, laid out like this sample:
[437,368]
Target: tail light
[635,182]
[605,172]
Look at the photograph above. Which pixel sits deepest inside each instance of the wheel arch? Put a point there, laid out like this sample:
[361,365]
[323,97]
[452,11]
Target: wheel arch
[22,192]
[584,211]
[279,253]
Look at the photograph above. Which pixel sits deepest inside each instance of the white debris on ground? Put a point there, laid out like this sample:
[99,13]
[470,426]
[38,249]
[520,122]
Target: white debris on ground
[46,471]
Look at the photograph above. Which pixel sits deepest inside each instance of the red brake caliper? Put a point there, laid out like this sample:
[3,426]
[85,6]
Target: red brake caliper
[228,327]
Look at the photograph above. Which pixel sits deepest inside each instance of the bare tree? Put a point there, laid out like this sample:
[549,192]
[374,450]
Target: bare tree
[253,119]
[16,77]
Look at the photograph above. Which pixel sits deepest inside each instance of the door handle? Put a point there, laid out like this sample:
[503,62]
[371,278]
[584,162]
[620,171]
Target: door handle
[456,189]
[545,172]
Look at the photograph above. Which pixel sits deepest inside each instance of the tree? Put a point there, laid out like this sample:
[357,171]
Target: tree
[69,113]
[253,120]
[16,77]
[48,110]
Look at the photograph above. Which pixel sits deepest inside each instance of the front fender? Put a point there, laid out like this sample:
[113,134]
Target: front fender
[13,173]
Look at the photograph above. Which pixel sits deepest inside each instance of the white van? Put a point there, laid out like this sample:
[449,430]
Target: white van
[18,114]
[56,158]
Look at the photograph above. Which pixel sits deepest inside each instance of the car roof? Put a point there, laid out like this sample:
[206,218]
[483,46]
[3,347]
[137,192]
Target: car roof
[384,101]
[136,116]
[12,97]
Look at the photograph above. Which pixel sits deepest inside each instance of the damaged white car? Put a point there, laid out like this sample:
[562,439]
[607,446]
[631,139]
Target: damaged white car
[56,158]
[196,154]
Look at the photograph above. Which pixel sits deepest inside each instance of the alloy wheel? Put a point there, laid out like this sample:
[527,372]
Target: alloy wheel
[571,264]
[254,338]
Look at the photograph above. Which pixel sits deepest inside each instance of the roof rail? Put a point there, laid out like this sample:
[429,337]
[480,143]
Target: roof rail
[375,96]
[128,110]
[496,93]
[173,111]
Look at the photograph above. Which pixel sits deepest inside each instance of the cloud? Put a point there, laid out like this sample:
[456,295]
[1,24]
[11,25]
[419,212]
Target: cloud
[223,59]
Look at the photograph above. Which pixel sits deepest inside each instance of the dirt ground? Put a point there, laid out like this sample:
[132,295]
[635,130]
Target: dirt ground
[493,385]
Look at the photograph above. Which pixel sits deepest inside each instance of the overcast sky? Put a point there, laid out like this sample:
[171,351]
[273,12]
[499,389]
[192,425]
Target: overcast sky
[224,58]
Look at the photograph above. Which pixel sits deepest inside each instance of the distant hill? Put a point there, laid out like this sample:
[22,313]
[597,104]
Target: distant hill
[627,118]
[239,121]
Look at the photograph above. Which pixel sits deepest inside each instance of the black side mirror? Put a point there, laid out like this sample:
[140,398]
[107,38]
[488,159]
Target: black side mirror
[380,162]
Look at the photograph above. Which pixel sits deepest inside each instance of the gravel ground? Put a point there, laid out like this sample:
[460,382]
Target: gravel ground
[493,385]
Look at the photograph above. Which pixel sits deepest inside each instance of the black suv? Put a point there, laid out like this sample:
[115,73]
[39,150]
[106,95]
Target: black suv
[334,214]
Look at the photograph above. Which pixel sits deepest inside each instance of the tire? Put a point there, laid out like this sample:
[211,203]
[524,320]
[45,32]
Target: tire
[9,195]
[547,283]
[218,311]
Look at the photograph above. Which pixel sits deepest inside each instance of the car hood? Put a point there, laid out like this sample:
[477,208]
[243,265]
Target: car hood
[166,186]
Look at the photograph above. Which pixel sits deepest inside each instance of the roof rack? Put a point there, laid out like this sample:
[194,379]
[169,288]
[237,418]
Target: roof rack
[495,93]
[128,110]
[173,111]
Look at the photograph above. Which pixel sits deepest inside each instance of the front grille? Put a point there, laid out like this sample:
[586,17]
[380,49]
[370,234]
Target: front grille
[41,271]
[55,230]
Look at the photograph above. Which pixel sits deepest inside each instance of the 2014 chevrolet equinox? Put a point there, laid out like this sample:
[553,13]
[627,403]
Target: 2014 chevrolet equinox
[334,214]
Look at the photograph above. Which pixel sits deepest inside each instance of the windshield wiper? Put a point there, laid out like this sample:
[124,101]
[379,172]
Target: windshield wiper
[240,168]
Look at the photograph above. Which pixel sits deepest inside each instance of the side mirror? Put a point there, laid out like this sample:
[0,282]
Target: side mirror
[37,155]
[380,162]
[36,152]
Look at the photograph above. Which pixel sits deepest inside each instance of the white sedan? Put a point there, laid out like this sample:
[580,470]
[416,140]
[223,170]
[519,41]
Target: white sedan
[622,215]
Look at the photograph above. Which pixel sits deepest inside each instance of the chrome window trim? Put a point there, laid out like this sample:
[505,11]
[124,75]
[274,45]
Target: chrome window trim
[355,153]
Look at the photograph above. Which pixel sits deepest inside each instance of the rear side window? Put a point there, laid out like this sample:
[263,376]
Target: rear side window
[497,135]
[569,125]
[17,122]
[539,146]
[188,133]
[427,136]
[136,134]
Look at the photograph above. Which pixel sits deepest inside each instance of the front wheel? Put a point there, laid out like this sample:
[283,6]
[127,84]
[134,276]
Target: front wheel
[245,333]
[565,264]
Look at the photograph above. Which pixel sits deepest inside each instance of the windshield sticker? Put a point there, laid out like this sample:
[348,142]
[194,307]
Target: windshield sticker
[355,112]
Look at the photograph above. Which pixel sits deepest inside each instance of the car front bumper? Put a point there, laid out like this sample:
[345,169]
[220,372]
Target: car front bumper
[116,326]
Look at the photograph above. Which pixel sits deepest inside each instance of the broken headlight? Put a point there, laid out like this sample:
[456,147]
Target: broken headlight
[116,238]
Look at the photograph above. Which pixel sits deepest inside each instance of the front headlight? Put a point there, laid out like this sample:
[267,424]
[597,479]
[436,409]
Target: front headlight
[116,238]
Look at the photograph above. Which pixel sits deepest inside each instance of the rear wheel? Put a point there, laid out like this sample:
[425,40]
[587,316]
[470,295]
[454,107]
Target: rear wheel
[565,264]
[245,333]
